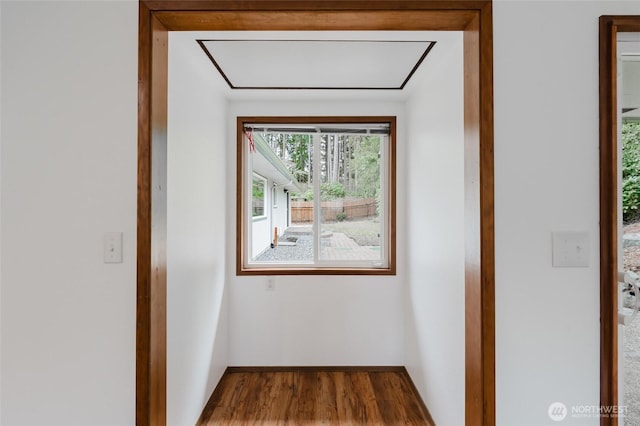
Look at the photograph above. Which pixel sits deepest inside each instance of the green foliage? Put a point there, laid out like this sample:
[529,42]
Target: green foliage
[331,191]
[258,197]
[328,191]
[258,189]
[294,151]
[341,216]
[298,149]
[630,171]
[307,195]
[367,166]
[349,164]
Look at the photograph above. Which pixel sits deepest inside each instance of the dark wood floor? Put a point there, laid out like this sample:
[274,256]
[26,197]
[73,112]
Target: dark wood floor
[306,396]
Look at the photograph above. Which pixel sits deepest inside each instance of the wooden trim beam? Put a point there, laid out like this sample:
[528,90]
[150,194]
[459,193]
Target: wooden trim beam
[152,209]
[143,346]
[479,222]
[608,221]
[362,20]
[487,215]
[242,267]
[301,369]
[609,28]
[296,5]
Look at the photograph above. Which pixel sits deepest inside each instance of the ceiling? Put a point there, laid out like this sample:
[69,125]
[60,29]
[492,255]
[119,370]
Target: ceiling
[316,63]
[336,60]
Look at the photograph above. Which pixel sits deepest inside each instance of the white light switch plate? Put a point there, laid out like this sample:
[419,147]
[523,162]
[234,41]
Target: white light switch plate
[570,249]
[112,247]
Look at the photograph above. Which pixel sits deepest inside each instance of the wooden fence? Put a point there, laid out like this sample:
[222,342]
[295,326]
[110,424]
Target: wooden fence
[302,211]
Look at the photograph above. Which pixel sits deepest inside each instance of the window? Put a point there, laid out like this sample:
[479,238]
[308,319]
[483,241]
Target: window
[332,195]
[257,196]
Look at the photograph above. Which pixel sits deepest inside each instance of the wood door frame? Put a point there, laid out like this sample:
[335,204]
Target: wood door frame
[609,28]
[473,17]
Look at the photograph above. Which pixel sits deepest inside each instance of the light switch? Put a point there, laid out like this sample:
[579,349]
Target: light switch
[570,249]
[112,247]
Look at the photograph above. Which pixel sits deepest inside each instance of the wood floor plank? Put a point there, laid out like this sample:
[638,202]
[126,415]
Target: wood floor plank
[305,396]
[326,410]
[239,394]
[221,403]
[344,407]
[281,398]
[322,396]
[388,388]
[364,398]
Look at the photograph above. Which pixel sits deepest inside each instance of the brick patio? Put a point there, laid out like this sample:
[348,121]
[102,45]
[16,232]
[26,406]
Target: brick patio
[340,247]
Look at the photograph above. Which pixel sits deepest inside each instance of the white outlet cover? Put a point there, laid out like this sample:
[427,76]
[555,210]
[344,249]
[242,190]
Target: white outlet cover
[270,285]
[571,249]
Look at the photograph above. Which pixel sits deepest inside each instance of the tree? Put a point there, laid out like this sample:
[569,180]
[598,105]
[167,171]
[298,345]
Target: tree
[335,168]
[298,147]
[366,164]
[348,163]
[630,171]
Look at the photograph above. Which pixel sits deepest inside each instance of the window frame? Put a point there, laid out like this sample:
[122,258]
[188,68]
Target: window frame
[388,182]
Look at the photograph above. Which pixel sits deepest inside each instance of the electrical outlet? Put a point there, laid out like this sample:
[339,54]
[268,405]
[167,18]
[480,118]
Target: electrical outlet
[270,284]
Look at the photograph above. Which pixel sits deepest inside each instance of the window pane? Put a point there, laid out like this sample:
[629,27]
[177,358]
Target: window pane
[258,197]
[350,225]
[286,237]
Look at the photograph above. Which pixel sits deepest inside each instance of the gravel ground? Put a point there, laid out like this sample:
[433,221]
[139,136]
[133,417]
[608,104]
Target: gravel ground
[364,233]
[632,372]
[632,342]
[302,251]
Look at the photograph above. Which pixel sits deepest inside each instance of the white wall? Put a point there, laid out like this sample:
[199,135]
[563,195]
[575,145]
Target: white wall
[0,218]
[279,210]
[546,156]
[68,174]
[435,220]
[315,320]
[196,216]
[262,229]
[261,235]
[69,149]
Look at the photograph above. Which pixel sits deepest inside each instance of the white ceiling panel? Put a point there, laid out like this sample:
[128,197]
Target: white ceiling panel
[316,64]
